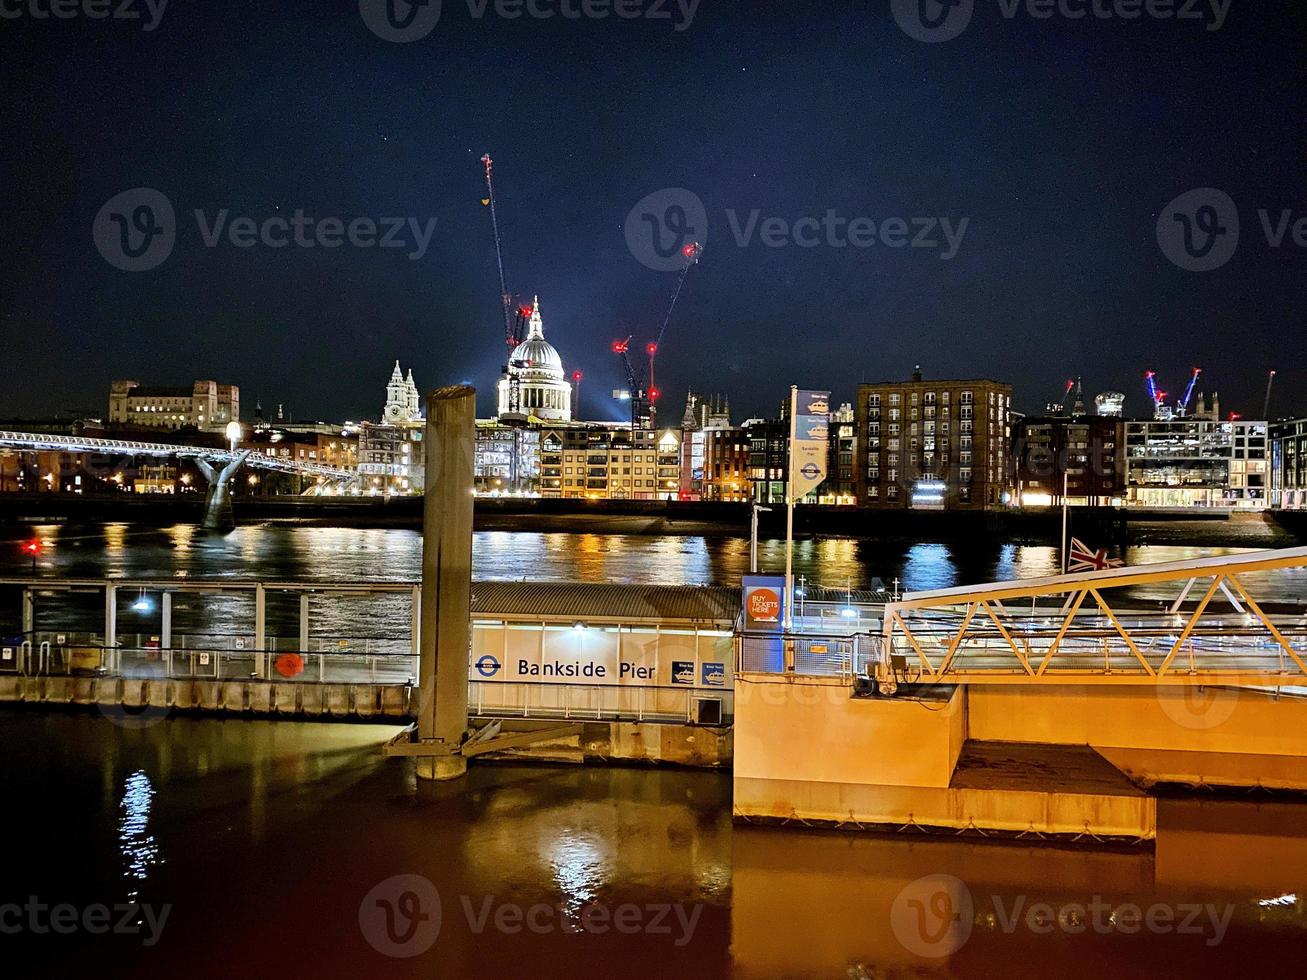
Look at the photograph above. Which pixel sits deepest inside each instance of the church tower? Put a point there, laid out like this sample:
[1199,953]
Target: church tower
[402,402]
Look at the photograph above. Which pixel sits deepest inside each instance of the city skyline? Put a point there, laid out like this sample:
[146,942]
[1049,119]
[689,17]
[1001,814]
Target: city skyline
[1047,263]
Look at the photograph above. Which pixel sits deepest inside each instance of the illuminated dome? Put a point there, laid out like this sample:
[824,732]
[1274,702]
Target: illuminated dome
[535,370]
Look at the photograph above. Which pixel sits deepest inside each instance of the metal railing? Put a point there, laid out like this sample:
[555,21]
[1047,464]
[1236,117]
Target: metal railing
[1082,629]
[39,442]
[596,702]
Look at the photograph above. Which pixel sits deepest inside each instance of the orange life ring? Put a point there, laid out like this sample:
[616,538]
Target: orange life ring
[290,665]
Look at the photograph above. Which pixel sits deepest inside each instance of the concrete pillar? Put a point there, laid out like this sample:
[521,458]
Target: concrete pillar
[165,628]
[446,605]
[29,613]
[111,627]
[260,630]
[304,624]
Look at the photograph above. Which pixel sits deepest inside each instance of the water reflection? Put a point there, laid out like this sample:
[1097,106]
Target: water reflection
[278,552]
[140,851]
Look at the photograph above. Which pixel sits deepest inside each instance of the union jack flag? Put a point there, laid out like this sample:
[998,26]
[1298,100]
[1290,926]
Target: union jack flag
[1085,559]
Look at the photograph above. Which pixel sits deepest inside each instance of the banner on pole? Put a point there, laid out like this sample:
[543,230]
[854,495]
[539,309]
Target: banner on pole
[809,445]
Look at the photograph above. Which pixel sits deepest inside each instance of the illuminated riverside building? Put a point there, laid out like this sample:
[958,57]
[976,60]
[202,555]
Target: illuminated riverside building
[1197,462]
[205,405]
[391,460]
[933,445]
[1289,464]
[1083,455]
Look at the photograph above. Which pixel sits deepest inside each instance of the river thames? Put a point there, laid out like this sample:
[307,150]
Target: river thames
[226,846]
[261,848]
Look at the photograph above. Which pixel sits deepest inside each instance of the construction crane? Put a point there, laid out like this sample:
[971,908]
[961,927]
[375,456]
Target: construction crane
[641,389]
[1189,392]
[1266,406]
[516,315]
[1158,397]
[1059,407]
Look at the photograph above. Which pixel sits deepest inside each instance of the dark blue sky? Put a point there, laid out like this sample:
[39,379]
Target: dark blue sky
[1060,141]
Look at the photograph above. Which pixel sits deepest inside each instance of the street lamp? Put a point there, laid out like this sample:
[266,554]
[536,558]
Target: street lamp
[233,433]
[33,548]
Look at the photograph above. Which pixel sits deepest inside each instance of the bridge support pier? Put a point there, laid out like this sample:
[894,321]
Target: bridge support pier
[218,512]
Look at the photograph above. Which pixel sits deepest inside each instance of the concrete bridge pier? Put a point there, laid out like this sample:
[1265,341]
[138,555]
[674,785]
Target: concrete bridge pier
[218,512]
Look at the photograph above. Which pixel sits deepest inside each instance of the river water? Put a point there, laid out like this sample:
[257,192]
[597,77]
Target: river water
[257,848]
[282,552]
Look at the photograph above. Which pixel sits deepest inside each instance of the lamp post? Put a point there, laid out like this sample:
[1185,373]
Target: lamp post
[233,433]
[33,548]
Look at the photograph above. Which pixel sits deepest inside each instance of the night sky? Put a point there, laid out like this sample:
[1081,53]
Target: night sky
[1059,141]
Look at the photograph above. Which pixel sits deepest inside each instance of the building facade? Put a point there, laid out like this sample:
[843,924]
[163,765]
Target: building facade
[1197,462]
[1289,464]
[205,405]
[726,456]
[933,445]
[391,460]
[1082,455]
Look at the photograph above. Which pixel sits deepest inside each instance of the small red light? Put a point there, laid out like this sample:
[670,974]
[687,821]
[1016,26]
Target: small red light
[577,376]
[653,394]
[620,347]
[652,349]
[32,547]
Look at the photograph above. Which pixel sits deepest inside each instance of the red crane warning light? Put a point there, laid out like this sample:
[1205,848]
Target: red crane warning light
[578,377]
[651,350]
[621,346]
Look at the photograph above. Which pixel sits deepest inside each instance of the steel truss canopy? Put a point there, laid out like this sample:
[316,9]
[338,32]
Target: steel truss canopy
[1188,622]
[39,442]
